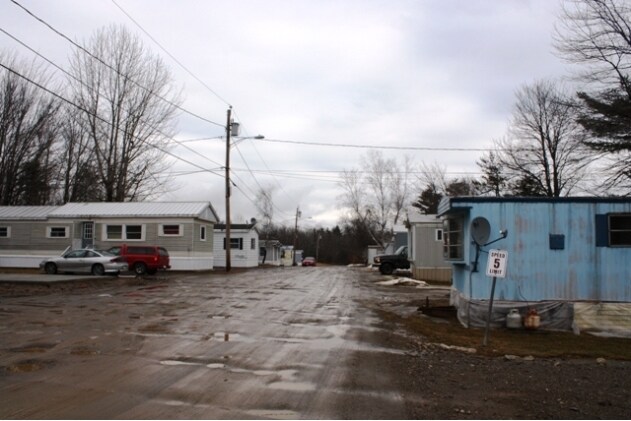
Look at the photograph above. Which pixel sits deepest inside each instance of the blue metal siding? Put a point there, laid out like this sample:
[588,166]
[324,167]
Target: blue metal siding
[580,271]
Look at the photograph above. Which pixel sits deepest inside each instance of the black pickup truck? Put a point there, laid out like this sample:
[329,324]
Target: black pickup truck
[387,263]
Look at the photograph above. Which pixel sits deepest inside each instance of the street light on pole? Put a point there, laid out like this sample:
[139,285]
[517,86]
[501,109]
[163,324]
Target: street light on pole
[232,129]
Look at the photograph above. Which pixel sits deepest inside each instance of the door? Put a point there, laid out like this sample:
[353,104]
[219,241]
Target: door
[87,238]
[72,261]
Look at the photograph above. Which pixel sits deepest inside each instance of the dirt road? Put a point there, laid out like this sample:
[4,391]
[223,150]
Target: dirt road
[273,343]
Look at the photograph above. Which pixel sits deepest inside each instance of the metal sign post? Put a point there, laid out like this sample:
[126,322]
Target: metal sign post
[495,267]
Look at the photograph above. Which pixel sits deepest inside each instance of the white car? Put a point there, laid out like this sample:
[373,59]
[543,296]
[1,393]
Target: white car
[96,262]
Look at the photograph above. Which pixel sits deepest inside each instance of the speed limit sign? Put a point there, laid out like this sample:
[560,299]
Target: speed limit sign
[496,265]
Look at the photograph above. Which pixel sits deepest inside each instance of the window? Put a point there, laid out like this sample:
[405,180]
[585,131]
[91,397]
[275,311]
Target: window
[171,230]
[133,232]
[5,232]
[202,233]
[453,247]
[620,230]
[57,232]
[439,234]
[75,254]
[235,243]
[124,232]
[114,232]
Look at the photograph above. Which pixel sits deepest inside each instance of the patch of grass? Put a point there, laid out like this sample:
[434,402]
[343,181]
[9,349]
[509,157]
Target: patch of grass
[538,343]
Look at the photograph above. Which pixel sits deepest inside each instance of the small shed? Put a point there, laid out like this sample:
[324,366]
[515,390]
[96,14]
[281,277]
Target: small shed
[567,259]
[244,245]
[372,251]
[425,247]
[270,252]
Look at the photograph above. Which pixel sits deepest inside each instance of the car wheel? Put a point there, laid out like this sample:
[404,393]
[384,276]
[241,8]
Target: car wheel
[50,268]
[140,268]
[386,269]
[98,270]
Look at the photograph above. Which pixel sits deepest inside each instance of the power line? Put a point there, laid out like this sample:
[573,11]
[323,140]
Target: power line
[171,55]
[273,176]
[56,95]
[90,87]
[61,34]
[401,148]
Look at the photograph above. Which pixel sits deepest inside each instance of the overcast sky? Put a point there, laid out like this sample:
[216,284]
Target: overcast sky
[436,74]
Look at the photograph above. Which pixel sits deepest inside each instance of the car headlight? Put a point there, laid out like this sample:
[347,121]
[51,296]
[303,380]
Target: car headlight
[377,260]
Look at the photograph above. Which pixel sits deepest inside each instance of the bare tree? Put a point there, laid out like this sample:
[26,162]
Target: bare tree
[400,187]
[596,34]
[78,172]
[377,195]
[431,187]
[27,134]
[545,141]
[265,207]
[355,199]
[121,87]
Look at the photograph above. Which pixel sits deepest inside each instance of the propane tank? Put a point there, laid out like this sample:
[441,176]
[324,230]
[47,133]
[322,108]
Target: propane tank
[532,319]
[513,319]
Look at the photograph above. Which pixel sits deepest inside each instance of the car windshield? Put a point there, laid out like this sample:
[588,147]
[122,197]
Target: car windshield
[401,250]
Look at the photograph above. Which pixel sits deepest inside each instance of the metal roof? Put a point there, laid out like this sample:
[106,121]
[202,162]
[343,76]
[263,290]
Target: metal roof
[26,212]
[416,217]
[202,210]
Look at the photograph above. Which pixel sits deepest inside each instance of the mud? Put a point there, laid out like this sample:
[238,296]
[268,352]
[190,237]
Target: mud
[278,343]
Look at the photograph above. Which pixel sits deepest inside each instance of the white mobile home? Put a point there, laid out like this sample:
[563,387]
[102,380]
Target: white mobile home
[244,245]
[29,234]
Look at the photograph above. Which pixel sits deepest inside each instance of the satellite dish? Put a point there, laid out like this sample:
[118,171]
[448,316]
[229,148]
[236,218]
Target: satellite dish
[480,230]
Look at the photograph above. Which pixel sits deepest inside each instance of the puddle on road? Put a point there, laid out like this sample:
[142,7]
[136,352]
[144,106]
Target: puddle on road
[216,365]
[286,379]
[274,414]
[229,337]
[176,362]
[293,386]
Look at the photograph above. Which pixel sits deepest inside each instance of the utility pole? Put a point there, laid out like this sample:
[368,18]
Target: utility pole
[228,245]
[318,247]
[295,236]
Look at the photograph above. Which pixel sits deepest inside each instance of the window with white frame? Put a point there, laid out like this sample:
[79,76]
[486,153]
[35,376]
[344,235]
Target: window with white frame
[235,243]
[134,232]
[453,246]
[202,233]
[252,243]
[5,231]
[439,234]
[171,230]
[57,232]
[131,232]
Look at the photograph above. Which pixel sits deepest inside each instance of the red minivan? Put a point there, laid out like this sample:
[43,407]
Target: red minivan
[143,259]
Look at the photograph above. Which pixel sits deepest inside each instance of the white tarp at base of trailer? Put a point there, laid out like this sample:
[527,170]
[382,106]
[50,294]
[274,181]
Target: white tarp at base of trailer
[603,319]
[554,315]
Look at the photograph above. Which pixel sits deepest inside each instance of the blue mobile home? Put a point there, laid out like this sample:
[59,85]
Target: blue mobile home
[570,258]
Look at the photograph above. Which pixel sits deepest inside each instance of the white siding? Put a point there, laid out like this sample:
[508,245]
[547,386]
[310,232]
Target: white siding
[247,257]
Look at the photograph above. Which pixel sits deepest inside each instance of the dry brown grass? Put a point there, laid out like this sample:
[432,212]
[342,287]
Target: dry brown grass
[539,343]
